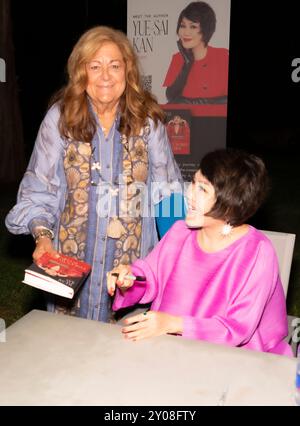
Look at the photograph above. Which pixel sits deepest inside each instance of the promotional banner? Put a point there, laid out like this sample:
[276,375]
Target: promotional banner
[183,49]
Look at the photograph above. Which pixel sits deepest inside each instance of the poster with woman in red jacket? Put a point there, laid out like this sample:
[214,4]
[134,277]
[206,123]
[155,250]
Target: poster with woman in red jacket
[198,72]
[183,49]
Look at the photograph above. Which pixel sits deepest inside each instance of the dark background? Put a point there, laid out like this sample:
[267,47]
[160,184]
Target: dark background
[44,34]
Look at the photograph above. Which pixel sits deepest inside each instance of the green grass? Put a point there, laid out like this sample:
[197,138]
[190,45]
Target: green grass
[281,212]
[16,298]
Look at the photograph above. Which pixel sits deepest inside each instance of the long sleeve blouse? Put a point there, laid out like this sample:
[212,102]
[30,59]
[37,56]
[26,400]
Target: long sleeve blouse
[233,296]
[43,192]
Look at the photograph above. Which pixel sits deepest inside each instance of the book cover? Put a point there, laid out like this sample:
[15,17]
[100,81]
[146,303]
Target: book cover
[152,30]
[179,130]
[61,274]
[200,126]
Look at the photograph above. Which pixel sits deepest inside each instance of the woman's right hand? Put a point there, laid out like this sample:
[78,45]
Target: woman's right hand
[43,245]
[117,278]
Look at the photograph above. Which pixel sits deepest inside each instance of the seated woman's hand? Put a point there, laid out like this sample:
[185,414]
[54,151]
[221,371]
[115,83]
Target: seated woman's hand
[150,324]
[119,277]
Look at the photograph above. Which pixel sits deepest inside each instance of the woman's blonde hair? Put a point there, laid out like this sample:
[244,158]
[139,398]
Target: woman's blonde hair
[136,104]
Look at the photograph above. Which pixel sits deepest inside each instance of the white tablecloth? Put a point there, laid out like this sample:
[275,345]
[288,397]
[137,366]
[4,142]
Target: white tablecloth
[53,359]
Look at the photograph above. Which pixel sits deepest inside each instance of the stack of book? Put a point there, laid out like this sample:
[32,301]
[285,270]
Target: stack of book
[58,274]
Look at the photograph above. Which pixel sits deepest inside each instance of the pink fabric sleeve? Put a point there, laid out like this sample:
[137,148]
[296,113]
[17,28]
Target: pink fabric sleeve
[251,298]
[142,292]
[149,267]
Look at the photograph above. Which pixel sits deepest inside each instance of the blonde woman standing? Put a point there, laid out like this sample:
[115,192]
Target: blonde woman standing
[100,147]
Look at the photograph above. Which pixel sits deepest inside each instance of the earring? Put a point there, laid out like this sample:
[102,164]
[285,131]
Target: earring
[227,230]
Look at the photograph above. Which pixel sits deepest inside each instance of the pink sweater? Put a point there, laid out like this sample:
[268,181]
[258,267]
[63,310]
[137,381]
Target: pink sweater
[233,296]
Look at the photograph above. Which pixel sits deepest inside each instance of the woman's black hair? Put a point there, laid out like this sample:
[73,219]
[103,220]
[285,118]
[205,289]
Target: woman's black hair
[202,13]
[240,181]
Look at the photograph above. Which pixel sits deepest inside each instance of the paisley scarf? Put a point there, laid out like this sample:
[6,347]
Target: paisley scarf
[126,228]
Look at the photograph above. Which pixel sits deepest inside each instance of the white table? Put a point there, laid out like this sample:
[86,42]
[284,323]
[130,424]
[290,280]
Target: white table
[53,359]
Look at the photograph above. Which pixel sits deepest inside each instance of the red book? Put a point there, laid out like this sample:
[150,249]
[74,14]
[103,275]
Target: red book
[62,275]
[179,131]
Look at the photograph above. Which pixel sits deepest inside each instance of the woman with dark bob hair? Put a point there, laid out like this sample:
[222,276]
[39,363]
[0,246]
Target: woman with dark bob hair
[212,277]
[198,73]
